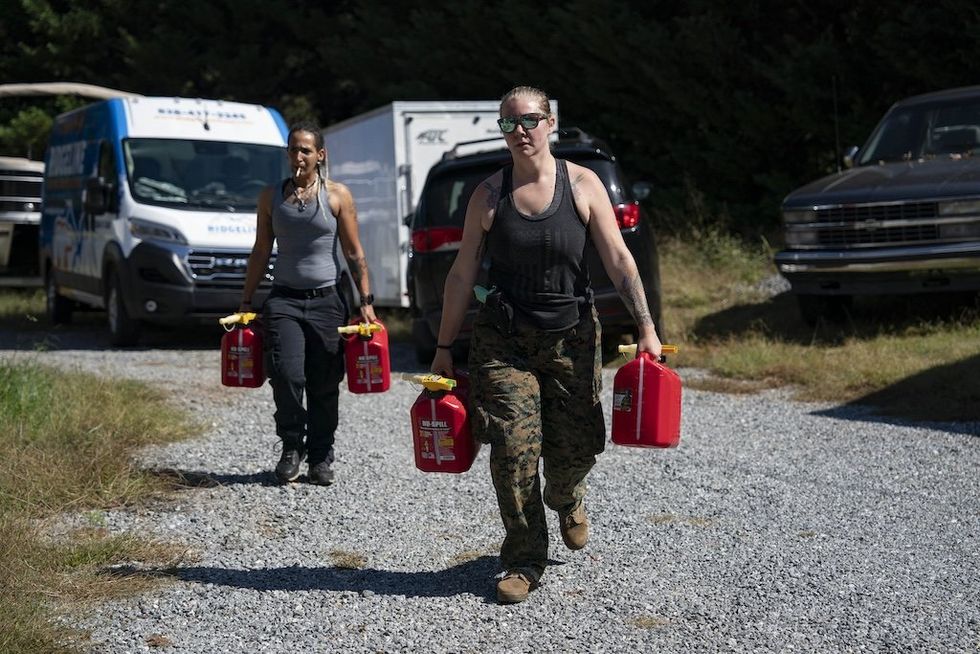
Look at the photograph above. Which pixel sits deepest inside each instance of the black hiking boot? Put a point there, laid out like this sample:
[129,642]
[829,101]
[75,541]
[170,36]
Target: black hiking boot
[321,474]
[288,467]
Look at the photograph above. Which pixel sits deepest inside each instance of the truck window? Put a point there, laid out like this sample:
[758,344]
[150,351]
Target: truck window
[910,134]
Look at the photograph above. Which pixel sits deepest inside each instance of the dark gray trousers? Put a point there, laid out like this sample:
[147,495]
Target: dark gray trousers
[304,356]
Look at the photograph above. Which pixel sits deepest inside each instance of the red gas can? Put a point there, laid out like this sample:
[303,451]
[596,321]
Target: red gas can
[241,352]
[646,410]
[440,427]
[366,357]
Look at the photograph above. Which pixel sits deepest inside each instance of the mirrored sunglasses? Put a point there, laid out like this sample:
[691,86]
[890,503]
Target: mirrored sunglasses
[528,121]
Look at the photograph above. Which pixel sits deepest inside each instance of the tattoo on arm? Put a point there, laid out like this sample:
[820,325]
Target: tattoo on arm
[493,195]
[576,188]
[631,292]
[358,270]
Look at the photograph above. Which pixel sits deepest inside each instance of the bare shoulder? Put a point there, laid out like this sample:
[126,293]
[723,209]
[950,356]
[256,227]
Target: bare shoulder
[584,182]
[264,201]
[340,190]
[341,200]
[487,194]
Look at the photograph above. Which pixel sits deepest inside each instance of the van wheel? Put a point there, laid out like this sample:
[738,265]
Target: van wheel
[59,308]
[123,330]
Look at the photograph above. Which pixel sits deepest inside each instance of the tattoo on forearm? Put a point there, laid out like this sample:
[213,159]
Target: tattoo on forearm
[493,195]
[358,270]
[631,291]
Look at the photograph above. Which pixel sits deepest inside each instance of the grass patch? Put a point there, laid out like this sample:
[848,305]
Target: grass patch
[347,560]
[66,441]
[22,304]
[649,621]
[909,356]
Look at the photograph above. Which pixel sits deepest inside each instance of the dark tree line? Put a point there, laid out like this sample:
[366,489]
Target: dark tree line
[730,105]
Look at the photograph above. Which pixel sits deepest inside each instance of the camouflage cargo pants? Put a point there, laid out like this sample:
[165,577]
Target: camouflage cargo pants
[535,395]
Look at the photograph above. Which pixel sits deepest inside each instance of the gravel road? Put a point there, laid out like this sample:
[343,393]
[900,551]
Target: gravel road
[776,526]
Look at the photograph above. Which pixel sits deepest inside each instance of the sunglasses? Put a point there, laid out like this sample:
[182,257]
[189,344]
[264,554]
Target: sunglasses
[528,121]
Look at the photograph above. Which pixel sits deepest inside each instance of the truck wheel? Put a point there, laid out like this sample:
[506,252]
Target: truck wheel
[59,308]
[832,308]
[123,330]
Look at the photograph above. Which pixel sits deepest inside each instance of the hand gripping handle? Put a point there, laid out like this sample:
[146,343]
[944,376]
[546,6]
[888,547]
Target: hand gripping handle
[630,350]
[361,329]
[229,322]
[432,381]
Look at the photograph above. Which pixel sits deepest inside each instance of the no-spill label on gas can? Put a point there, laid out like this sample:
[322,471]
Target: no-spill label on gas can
[435,440]
[369,369]
[623,400]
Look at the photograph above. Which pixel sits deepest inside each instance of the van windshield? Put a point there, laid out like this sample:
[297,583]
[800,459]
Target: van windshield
[205,175]
[950,130]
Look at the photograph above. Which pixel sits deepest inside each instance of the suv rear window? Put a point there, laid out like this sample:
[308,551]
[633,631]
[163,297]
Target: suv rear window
[448,194]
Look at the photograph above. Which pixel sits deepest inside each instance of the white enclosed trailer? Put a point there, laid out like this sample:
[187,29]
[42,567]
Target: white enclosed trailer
[383,156]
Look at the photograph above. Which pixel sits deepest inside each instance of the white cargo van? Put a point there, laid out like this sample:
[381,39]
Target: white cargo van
[149,208]
[383,156]
[20,216]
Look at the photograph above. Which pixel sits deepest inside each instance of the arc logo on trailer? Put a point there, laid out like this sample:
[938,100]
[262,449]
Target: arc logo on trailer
[432,137]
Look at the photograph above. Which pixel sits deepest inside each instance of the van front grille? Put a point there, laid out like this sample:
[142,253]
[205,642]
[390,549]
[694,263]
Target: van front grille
[222,270]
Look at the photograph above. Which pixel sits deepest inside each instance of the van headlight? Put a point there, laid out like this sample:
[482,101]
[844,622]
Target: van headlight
[959,208]
[147,230]
[794,216]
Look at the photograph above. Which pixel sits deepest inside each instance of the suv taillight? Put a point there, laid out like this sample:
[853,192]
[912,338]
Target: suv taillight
[436,238]
[627,215]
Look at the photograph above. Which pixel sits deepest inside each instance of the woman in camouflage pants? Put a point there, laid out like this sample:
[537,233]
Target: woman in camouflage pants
[535,357]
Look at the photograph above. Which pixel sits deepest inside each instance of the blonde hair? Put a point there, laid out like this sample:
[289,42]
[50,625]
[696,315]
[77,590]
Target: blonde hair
[536,95]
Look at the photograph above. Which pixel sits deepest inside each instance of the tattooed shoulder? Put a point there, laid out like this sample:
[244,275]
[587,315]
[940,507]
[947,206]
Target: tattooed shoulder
[493,194]
[578,186]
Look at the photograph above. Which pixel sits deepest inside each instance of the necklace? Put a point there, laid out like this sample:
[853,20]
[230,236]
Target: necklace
[302,203]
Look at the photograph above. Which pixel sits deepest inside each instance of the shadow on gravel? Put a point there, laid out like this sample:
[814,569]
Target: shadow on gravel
[89,333]
[915,400]
[472,577]
[181,479]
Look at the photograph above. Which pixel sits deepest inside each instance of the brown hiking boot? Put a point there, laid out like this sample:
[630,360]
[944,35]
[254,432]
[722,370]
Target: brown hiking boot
[514,587]
[575,528]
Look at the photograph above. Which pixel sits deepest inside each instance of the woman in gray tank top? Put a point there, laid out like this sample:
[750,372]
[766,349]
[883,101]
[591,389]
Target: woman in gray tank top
[534,355]
[309,218]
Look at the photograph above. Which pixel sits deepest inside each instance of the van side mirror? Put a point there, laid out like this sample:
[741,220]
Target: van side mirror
[96,196]
[642,190]
[849,156]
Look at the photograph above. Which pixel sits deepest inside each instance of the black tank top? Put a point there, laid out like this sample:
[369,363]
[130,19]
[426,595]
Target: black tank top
[539,261]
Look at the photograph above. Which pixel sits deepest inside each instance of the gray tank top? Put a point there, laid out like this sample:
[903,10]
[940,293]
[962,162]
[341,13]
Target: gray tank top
[539,261]
[306,241]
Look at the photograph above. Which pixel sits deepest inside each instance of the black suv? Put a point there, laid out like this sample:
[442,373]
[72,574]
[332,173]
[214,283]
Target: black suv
[437,228]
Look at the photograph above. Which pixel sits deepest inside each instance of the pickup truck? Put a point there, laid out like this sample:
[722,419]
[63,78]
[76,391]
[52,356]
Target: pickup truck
[904,217]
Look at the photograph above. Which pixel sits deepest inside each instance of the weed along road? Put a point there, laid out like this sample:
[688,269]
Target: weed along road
[775,526]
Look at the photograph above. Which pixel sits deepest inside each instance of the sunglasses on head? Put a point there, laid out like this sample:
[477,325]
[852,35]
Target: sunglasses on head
[528,121]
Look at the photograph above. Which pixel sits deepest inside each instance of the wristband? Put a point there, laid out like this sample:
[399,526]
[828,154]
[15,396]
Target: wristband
[444,347]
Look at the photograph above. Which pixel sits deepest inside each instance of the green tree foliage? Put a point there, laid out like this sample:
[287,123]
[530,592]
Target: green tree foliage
[730,105]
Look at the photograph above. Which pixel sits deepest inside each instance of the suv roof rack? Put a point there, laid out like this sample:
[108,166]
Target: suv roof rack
[563,133]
